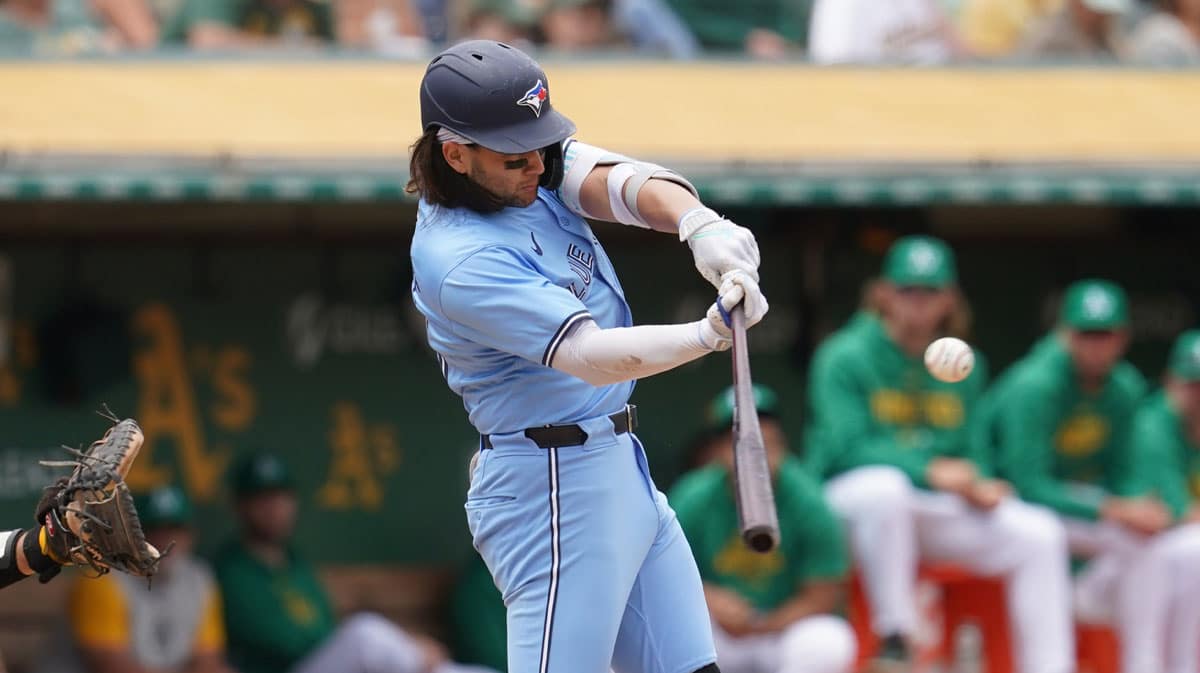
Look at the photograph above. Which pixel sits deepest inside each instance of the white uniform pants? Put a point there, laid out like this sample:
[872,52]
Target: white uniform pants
[368,643]
[817,644]
[1147,588]
[891,525]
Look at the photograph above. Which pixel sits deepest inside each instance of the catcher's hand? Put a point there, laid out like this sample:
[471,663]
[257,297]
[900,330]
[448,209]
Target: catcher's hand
[88,517]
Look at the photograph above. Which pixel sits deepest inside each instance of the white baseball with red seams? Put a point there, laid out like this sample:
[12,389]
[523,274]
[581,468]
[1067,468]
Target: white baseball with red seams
[949,359]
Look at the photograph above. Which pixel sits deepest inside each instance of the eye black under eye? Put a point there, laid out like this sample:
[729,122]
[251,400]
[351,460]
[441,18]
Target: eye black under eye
[516,164]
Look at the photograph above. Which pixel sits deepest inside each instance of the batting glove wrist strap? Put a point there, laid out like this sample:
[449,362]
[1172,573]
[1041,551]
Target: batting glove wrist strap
[695,220]
[714,334]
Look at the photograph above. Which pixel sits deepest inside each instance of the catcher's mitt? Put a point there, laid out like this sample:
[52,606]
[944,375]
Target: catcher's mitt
[89,517]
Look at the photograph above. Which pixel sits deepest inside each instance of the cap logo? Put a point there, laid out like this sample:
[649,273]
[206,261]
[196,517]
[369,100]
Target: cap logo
[923,258]
[1097,304]
[534,98]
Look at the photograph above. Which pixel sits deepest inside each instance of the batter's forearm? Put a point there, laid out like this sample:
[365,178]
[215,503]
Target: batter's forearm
[607,356]
[662,203]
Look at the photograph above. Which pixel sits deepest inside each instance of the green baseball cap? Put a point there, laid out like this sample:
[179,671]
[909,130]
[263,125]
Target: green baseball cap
[260,472]
[1094,305]
[1185,356]
[164,506]
[920,261]
[720,410]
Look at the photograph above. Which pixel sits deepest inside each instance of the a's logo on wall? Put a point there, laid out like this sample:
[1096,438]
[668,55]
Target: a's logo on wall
[534,97]
[316,328]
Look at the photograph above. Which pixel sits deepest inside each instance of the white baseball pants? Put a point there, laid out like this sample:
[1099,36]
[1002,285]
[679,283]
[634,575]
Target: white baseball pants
[368,643]
[891,524]
[816,644]
[1147,588]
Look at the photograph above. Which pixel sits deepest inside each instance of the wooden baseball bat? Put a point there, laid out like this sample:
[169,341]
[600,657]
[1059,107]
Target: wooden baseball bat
[757,518]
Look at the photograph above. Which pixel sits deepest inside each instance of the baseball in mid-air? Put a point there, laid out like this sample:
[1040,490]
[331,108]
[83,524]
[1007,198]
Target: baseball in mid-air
[949,359]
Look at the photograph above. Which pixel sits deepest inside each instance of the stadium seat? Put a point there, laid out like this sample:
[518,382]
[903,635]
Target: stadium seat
[1098,650]
[960,598]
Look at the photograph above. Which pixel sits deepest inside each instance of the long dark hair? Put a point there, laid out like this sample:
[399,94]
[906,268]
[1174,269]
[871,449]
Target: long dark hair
[435,181]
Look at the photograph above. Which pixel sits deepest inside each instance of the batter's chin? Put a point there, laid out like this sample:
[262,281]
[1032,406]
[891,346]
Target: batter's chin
[524,199]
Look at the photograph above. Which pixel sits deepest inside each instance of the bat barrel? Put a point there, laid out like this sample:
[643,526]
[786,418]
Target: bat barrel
[761,539]
[757,518]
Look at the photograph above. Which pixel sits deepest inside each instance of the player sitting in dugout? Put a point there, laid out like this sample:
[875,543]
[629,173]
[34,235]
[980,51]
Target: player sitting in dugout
[771,613]
[279,617]
[891,441]
[1059,422]
[118,626]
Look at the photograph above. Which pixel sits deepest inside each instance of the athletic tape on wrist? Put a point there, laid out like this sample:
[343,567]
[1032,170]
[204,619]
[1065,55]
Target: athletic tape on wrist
[725,317]
[695,219]
[37,553]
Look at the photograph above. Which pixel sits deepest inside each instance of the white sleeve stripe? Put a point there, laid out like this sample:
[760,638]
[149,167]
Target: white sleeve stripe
[561,333]
[4,537]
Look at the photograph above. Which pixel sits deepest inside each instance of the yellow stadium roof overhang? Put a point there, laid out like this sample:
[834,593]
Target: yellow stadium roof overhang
[749,133]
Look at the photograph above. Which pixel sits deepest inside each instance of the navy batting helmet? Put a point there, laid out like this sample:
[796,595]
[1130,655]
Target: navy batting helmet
[494,95]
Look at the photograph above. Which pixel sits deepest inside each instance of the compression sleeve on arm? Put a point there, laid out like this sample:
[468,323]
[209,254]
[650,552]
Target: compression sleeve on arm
[607,356]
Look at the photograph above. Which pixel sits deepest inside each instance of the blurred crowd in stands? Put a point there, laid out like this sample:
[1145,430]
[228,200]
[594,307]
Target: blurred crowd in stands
[1158,32]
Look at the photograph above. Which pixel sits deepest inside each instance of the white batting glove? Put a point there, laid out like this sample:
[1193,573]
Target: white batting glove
[716,331]
[718,245]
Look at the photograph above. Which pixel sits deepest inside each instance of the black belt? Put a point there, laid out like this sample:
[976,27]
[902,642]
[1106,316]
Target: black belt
[555,436]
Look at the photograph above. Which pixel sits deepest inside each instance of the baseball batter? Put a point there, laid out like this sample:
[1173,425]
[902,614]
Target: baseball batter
[892,441]
[1060,424]
[532,330]
[772,613]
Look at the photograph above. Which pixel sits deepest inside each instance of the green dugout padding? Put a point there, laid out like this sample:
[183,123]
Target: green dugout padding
[314,351]
[731,186]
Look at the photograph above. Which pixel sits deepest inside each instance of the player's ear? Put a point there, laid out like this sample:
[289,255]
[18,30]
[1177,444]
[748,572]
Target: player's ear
[455,155]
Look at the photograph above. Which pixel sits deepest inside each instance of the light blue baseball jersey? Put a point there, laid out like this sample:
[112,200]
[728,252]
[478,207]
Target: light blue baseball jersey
[499,292]
[593,566]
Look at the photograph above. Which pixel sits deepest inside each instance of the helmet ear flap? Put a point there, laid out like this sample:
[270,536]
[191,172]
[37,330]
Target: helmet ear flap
[552,158]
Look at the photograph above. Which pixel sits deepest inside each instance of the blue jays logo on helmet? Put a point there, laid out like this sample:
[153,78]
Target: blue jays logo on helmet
[534,97]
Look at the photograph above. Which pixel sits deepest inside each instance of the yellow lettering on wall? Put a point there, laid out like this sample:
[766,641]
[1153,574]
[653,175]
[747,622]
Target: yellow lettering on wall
[1081,435]
[236,403]
[361,456]
[10,387]
[24,358]
[167,408]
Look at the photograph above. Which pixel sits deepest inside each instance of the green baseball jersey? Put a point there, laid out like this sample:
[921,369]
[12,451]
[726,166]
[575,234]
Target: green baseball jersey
[1171,458]
[1058,445]
[811,546]
[274,616]
[872,404]
[478,619]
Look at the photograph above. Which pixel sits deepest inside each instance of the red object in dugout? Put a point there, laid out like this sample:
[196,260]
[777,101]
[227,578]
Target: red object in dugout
[965,598]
